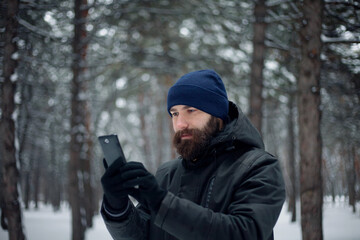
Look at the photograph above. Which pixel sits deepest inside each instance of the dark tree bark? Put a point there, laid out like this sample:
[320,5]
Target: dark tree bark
[356,80]
[163,120]
[36,178]
[144,134]
[311,192]
[88,197]
[80,191]
[11,207]
[26,187]
[357,169]
[292,190]
[28,172]
[350,169]
[55,194]
[24,115]
[257,65]
[168,83]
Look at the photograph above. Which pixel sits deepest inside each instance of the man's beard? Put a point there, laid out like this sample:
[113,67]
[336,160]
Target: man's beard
[191,149]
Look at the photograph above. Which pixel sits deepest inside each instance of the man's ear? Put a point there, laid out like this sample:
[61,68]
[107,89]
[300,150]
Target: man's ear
[220,124]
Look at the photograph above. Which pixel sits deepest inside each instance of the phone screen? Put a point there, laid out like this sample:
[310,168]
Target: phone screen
[111,148]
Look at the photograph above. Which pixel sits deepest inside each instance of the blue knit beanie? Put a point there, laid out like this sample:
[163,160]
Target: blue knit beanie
[203,90]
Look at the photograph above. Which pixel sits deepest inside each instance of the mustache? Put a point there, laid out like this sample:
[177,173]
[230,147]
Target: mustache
[178,134]
[185,131]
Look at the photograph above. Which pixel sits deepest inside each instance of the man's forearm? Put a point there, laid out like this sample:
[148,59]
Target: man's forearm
[133,227]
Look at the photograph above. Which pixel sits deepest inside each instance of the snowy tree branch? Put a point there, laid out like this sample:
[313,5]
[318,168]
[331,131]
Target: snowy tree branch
[346,3]
[328,40]
[36,30]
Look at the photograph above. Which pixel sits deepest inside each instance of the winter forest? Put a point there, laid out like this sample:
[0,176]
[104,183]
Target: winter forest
[72,70]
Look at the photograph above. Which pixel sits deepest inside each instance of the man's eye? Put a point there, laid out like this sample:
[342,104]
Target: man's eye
[191,110]
[174,114]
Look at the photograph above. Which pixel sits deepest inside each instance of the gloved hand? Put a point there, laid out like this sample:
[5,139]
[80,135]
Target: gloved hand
[115,195]
[148,193]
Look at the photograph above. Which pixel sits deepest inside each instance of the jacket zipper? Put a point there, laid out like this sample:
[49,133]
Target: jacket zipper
[209,191]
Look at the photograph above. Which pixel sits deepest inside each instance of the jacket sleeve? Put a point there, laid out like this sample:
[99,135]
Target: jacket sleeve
[134,227]
[255,206]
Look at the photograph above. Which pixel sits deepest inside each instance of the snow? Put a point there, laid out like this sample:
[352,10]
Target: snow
[14,77]
[339,223]
[15,56]
[44,224]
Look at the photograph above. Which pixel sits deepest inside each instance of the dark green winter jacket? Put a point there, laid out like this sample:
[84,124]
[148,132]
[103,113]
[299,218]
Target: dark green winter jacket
[235,191]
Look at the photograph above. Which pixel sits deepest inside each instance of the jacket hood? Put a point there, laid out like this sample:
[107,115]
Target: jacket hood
[239,132]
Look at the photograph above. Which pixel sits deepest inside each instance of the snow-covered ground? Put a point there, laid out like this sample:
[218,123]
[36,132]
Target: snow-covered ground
[339,224]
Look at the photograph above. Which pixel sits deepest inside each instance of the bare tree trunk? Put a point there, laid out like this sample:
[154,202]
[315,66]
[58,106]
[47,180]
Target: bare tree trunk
[26,95]
[311,193]
[80,143]
[144,130]
[28,171]
[36,178]
[24,121]
[357,169]
[257,65]
[168,83]
[292,192]
[54,172]
[350,174]
[10,173]
[160,136]
[87,173]
[26,194]
[356,80]
[163,120]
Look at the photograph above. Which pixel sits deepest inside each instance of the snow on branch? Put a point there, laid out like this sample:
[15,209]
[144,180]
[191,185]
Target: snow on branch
[277,2]
[354,4]
[36,30]
[328,40]
[273,17]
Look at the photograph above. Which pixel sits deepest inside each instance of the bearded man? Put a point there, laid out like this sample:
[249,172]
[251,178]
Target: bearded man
[222,186]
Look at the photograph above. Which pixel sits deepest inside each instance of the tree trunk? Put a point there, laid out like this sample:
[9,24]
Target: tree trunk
[10,173]
[168,83]
[143,111]
[161,122]
[80,143]
[54,172]
[26,188]
[292,192]
[311,193]
[23,141]
[350,174]
[257,65]
[87,173]
[36,178]
[357,169]
[28,175]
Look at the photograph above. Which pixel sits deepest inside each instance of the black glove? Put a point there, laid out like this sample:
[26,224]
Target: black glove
[115,195]
[148,193]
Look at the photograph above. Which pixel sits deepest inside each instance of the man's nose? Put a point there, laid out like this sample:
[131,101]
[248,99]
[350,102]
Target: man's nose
[181,123]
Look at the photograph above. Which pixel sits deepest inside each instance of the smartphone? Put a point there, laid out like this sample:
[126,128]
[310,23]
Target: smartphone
[111,148]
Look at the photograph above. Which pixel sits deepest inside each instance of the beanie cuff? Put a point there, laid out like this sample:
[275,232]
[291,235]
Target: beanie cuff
[202,99]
